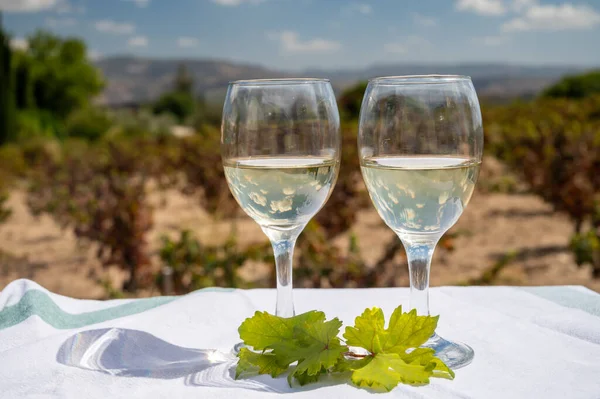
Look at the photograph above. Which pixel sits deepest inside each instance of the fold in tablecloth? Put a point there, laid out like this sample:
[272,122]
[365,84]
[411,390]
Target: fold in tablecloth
[541,342]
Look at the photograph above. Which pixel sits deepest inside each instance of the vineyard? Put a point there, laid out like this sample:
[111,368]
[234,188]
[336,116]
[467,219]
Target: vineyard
[112,202]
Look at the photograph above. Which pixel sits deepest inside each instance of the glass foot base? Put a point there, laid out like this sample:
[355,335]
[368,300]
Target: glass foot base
[237,348]
[454,354]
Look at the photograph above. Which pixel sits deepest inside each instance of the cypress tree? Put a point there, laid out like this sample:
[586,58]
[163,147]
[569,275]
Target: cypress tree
[7,108]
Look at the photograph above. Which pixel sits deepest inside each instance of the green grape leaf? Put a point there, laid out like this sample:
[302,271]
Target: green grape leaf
[394,356]
[387,370]
[407,330]
[426,357]
[345,364]
[368,330]
[304,378]
[441,370]
[316,357]
[246,364]
[263,330]
[261,363]
[316,347]
[422,356]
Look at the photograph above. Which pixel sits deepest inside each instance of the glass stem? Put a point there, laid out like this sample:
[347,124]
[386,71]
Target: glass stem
[419,254]
[283,242]
[284,255]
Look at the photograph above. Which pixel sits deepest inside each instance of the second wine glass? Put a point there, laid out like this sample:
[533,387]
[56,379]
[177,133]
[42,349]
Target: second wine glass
[280,144]
[420,142]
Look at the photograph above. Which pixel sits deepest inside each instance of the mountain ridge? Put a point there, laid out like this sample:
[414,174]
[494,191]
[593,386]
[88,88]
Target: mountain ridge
[137,79]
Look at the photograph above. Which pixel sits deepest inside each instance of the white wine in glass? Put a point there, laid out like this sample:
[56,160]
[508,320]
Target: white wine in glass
[420,195]
[420,142]
[286,190]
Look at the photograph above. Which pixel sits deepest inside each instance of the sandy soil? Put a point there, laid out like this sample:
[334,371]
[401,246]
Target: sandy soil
[492,226]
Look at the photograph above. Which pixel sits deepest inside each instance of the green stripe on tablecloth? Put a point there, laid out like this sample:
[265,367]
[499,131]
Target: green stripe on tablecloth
[36,302]
[569,297]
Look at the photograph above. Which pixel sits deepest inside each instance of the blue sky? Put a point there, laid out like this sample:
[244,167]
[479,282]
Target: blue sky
[298,34]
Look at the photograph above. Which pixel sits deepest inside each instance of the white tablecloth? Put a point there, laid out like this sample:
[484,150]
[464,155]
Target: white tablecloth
[529,343]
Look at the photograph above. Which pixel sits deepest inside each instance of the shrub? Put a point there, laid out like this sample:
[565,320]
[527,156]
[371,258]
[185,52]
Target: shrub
[555,145]
[5,212]
[33,124]
[349,194]
[192,265]
[322,264]
[88,123]
[101,192]
[200,162]
[142,123]
[578,86]
[12,163]
[206,114]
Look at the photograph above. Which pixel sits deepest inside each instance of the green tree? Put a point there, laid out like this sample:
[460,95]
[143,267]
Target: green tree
[350,101]
[23,84]
[7,108]
[184,82]
[55,75]
[180,101]
[181,105]
[577,86]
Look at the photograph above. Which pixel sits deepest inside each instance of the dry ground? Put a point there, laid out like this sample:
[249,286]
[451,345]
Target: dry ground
[492,226]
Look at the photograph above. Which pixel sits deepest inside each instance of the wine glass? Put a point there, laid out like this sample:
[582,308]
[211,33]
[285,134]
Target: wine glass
[420,144]
[280,144]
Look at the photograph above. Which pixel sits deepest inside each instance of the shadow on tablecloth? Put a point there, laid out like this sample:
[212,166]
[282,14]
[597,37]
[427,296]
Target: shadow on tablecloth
[133,353]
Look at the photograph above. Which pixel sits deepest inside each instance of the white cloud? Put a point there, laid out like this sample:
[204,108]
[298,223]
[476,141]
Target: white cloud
[26,5]
[117,28]
[335,24]
[395,48]
[234,3]
[94,55]
[482,7]
[409,43]
[362,8]
[290,43]
[60,22]
[554,17]
[138,41]
[59,6]
[19,43]
[491,40]
[185,41]
[520,5]
[65,7]
[424,20]
[140,3]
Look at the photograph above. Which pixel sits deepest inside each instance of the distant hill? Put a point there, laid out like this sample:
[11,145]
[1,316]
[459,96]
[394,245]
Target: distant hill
[131,80]
[136,80]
